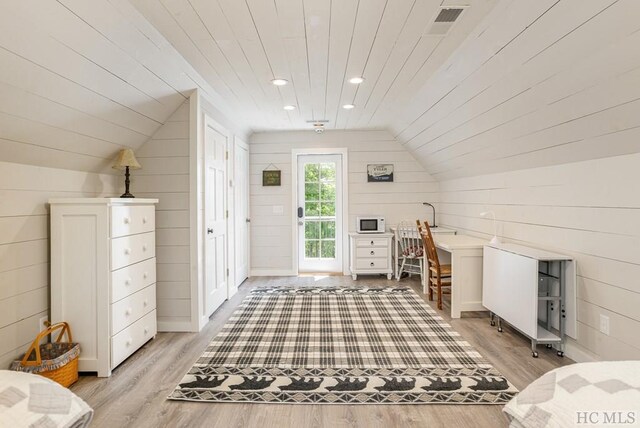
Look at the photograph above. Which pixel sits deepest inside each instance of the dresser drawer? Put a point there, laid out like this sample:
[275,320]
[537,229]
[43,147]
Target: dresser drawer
[129,220]
[128,280]
[372,252]
[133,337]
[128,250]
[132,308]
[372,263]
[371,242]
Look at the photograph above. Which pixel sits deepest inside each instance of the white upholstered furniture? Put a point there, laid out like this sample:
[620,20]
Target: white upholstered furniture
[103,274]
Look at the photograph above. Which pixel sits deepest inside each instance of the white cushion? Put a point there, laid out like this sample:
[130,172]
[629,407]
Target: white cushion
[32,400]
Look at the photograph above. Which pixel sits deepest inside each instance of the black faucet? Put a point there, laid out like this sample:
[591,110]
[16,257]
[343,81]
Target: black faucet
[433,225]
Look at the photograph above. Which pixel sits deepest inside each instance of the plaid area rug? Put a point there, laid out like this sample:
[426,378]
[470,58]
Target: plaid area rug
[340,346]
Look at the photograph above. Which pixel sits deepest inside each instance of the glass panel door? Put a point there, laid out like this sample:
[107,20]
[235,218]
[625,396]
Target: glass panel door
[319,213]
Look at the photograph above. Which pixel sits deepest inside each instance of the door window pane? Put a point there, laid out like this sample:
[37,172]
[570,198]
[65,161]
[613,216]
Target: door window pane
[312,249]
[328,229]
[328,171]
[312,230]
[311,172]
[327,209]
[328,249]
[312,191]
[328,192]
[312,209]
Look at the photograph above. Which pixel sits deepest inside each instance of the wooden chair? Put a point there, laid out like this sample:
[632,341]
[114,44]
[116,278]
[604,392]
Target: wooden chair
[439,276]
[411,251]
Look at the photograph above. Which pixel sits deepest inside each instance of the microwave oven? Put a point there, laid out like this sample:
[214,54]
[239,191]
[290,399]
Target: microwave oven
[370,224]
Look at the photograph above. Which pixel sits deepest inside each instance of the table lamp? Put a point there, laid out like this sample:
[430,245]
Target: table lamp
[125,160]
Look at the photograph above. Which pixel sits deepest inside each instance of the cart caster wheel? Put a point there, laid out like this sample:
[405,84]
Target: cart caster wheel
[499,329]
[493,323]
[560,354]
[549,346]
[534,354]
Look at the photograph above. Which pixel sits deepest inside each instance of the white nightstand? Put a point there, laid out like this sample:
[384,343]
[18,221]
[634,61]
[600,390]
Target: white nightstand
[370,253]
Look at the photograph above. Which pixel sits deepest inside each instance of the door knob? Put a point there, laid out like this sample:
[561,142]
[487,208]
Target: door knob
[300,223]
[209,230]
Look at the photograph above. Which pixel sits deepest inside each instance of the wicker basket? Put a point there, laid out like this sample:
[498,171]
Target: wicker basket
[57,360]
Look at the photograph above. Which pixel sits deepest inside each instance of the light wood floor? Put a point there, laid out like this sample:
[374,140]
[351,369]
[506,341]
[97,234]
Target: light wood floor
[135,395]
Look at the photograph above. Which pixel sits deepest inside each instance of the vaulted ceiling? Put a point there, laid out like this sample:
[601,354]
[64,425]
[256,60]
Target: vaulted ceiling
[513,84]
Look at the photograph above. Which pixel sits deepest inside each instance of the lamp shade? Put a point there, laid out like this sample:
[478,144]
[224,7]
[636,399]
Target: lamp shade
[126,158]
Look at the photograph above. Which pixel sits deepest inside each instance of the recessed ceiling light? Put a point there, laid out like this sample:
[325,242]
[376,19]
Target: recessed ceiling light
[279,82]
[348,106]
[356,80]
[289,107]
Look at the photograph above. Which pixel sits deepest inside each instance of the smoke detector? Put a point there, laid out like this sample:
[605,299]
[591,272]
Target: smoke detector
[318,128]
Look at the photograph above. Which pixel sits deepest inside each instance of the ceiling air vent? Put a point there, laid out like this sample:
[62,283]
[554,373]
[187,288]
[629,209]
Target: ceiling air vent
[444,21]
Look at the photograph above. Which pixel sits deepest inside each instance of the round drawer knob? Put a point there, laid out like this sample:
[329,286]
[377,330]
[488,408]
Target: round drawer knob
[373,253]
[127,251]
[126,220]
[146,330]
[371,242]
[144,220]
[144,248]
[372,264]
[145,303]
[128,311]
[127,281]
[129,342]
[145,275]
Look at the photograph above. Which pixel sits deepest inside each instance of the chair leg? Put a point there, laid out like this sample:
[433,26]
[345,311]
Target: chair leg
[430,287]
[401,270]
[439,283]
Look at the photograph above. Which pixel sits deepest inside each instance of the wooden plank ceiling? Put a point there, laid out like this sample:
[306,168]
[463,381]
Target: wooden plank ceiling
[514,83]
[239,46]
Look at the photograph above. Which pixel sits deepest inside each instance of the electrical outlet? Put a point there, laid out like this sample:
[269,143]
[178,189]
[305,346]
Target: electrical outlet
[604,324]
[41,323]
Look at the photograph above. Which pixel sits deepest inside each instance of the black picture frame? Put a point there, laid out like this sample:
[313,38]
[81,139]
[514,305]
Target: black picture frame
[271,177]
[380,173]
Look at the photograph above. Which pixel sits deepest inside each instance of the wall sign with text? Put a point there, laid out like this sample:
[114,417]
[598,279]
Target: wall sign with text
[271,177]
[377,173]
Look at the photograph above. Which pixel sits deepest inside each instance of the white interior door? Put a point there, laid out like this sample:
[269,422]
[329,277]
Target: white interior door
[241,167]
[319,213]
[215,252]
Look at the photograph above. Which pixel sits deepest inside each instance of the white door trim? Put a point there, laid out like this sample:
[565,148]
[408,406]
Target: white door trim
[238,142]
[345,202]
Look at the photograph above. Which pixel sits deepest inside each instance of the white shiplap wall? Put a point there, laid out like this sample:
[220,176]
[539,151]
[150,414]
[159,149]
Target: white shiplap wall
[586,209]
[24,244]
[165,176]
[271,251]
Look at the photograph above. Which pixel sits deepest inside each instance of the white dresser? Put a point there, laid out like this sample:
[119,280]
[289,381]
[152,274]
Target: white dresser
[103,276]
[370,253]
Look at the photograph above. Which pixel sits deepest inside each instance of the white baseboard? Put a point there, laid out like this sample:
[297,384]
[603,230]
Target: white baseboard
[174,326]
[272,272]
[577,353]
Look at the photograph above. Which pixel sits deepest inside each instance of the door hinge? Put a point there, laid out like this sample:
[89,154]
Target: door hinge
[226,155]
[227,213]
[227,271]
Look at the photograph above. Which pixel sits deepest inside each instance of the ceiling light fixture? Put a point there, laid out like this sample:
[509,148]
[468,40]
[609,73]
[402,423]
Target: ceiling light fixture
[356,80]
[348,106]
[289,107]
[279,82]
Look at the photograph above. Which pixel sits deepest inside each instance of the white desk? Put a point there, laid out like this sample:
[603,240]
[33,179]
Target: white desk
[396,246]
[465,255]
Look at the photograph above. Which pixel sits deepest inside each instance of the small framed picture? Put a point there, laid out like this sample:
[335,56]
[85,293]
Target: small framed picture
[379,173]
[271,177]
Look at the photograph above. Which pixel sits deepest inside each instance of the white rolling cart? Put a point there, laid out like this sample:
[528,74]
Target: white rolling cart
[533,290]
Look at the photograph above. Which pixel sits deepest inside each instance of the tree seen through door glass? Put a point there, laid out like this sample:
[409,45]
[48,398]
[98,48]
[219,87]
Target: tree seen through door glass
[328,249]
[312,191]
[327,191]
[328,171]
[312,249]
[312,173]
[327,209]
[312,230]
[312,209]
[328,229]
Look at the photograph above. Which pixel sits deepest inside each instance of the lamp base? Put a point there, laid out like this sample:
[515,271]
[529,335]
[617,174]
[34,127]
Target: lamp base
[127,195]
